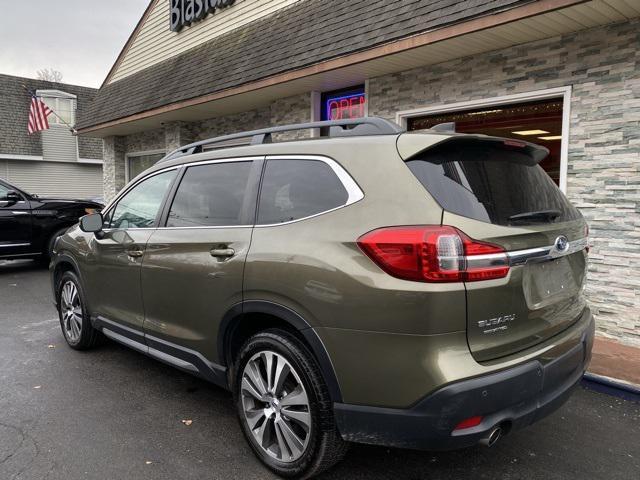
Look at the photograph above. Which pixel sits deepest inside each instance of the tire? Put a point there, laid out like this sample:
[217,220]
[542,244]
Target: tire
[73,314]
[312,449]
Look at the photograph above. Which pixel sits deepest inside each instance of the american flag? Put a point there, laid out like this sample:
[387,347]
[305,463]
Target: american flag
[38,114]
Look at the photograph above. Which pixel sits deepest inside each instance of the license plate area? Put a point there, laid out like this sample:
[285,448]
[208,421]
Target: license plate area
[545,283]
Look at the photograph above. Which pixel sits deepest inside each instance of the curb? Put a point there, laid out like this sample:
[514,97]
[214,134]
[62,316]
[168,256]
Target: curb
[611,386]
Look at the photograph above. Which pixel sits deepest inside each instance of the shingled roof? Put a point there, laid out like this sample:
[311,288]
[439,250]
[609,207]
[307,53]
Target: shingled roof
[303,34]
[14,115]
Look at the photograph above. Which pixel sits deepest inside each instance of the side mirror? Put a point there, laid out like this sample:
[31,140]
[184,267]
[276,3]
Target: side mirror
[91,223]
[12,197]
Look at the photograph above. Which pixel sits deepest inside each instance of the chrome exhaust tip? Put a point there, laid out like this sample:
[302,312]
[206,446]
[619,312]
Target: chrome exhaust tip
[492,437]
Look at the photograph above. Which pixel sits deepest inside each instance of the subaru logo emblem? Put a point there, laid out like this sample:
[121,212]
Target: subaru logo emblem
[562,243]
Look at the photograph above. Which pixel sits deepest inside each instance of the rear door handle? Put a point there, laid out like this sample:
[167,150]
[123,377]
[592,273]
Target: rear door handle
[222,252]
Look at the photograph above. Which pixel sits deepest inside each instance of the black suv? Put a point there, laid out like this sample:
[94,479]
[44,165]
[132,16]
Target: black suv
[29,225]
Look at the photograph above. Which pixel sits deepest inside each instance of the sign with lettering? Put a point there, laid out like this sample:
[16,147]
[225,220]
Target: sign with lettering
[186,12]
[344,104]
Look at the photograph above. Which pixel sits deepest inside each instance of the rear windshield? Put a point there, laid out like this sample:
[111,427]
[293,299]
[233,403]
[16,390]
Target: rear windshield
[491,182]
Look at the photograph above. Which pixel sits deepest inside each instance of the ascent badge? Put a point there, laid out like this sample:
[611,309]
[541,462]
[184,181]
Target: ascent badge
[496,324]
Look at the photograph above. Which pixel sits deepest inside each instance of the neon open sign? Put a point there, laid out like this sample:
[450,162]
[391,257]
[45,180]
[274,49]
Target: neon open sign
[346,106]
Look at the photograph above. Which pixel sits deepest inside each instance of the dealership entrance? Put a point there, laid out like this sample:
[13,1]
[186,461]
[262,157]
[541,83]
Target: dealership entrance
[538,122]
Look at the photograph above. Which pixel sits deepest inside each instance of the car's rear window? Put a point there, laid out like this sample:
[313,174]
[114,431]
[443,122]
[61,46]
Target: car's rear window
[491,183]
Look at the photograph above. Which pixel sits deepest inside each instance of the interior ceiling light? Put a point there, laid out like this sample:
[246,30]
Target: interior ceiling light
[486,112]
[551,137]
[530,132]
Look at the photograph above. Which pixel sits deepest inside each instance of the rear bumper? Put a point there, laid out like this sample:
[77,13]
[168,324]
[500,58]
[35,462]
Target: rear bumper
[512,398]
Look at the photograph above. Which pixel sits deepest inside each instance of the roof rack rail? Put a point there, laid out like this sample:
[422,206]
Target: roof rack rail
[337,128]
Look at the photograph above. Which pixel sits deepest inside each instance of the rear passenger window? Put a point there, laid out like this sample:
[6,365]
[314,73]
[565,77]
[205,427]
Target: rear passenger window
[294,189]
[211,195]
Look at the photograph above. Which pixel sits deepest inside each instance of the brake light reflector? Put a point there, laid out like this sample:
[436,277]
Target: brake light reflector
[433,254]
[469,423]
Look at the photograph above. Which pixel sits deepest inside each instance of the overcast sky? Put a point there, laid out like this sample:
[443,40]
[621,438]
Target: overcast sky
[80,38]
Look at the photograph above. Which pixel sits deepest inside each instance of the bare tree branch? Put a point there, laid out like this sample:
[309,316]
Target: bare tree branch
[50,74]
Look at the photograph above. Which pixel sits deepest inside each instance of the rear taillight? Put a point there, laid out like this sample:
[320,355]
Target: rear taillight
[434,254]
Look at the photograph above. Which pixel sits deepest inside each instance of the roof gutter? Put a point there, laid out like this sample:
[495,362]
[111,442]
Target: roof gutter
[477,24]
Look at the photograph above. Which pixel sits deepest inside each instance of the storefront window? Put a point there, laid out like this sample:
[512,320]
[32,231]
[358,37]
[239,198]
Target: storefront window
[538,122]
[344,104]
[139,163]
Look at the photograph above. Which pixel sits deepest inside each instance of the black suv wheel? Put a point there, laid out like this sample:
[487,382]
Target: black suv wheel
[284,406]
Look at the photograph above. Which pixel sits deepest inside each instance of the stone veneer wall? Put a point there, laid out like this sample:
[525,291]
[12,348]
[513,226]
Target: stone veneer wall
[295,109]
[113,173]
[603,67]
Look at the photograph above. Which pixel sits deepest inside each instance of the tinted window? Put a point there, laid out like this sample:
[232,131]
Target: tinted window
[3,192]
[293,189]
[210,195]
[139,207]
[492,185]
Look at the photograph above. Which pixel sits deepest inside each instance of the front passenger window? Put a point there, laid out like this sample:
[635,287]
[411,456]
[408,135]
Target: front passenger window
[140,206]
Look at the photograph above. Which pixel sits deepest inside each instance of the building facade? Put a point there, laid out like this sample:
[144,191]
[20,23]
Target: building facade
[562,73]
[53,162]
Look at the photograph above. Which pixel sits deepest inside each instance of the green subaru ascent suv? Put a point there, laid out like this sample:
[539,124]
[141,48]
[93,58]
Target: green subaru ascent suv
[420,290]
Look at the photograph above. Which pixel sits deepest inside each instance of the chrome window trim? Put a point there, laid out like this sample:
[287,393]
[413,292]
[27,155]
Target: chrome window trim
[223,160]
[203,227]
[354,193]
[177,167]
[6,245]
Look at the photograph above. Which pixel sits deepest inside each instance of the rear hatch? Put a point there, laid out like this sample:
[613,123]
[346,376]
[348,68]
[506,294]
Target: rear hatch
[494,191]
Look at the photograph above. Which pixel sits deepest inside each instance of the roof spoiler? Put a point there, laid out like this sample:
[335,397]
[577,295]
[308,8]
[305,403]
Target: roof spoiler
[472,146]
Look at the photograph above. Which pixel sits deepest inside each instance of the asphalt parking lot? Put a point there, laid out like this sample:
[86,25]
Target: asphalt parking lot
[114,414]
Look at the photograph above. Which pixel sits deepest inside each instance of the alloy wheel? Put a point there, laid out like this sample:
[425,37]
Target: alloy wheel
[276,406]
[71,310]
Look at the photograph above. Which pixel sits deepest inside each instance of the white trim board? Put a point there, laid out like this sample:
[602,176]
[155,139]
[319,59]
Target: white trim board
[90,160]
[8,156]
[560,92]
[52,93]
[35,158]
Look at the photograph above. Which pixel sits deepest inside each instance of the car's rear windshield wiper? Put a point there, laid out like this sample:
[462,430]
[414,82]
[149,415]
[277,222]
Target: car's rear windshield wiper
[541,215]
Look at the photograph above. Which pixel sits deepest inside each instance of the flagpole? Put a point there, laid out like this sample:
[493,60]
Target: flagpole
[71,129]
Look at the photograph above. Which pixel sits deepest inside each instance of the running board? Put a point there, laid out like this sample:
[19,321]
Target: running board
[179,357]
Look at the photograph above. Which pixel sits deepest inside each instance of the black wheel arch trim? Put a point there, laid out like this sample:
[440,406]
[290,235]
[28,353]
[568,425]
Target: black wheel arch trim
[297,321]
[63,258]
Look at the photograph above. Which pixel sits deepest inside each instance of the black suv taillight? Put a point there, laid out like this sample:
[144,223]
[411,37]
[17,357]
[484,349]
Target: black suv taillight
[434,254]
